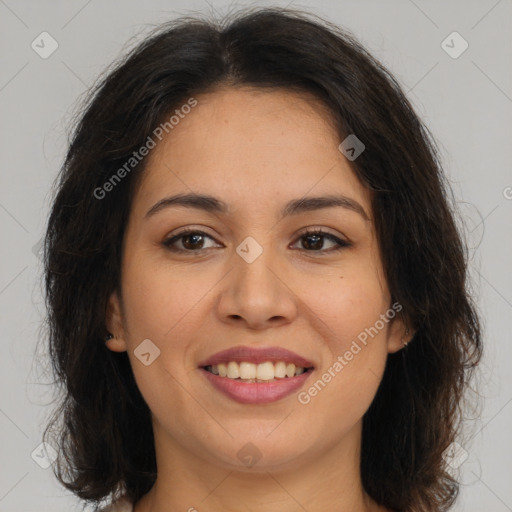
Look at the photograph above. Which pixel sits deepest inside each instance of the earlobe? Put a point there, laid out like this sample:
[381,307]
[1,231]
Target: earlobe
[114,323]
[400,335]
[116,344]
[406,337]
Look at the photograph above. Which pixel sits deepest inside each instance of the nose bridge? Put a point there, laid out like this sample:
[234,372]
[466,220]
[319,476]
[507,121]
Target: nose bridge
[256,292]
[253,264]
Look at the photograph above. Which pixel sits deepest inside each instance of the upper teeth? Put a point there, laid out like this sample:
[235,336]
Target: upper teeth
[262,371]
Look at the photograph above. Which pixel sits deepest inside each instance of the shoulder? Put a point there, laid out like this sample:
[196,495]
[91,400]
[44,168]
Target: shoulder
[122,504]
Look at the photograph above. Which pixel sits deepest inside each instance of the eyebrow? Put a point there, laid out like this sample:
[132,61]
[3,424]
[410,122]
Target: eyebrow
[211,204]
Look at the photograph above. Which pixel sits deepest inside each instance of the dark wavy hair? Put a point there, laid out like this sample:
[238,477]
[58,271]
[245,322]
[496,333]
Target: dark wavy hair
[102,424]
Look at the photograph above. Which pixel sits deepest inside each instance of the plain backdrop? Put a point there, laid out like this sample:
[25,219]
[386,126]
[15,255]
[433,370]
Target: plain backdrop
[464,98]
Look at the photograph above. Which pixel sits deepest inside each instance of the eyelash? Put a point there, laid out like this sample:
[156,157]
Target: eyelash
[342,244]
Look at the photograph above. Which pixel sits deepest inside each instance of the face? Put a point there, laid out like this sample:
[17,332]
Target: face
[248,275]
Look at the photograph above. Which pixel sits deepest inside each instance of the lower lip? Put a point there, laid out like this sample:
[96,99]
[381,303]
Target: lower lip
[257,392]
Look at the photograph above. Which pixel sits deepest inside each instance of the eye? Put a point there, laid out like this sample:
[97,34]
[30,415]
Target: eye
[192,240]
[315,240]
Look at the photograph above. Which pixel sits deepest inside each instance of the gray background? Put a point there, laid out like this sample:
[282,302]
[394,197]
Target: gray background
[465,101]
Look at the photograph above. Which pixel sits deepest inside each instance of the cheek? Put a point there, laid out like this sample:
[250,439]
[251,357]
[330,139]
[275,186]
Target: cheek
[342,390]
[159,302]
[161,307]
[343,307]
[355,334]
[165,309]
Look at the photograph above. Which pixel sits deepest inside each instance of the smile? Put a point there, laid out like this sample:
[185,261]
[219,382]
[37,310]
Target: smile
[251,375]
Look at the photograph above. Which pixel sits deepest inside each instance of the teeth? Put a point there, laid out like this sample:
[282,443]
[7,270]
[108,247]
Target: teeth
[233,370]
[266,371]
[280,370]
[247,370]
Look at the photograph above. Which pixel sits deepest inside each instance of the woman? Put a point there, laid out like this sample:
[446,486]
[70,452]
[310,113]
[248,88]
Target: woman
[256,289]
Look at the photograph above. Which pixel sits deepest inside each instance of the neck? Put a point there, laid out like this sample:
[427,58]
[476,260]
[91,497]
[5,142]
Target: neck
[186,482]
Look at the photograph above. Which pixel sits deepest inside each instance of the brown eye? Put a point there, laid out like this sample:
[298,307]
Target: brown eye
[313,241]
[191,241]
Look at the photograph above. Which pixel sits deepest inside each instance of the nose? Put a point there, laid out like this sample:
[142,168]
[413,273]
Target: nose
[258,293]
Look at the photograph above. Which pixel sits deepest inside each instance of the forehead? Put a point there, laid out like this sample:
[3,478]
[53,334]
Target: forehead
[254,146]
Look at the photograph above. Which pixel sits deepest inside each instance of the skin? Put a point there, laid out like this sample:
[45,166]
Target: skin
[255,150]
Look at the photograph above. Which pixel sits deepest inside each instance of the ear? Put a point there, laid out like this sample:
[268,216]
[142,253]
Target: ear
[114,323]
[400,332]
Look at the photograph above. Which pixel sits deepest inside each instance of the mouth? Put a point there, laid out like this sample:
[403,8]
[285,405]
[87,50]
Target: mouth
[256,376]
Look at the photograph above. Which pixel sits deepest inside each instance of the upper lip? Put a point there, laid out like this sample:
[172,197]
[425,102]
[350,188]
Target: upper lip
[256,355]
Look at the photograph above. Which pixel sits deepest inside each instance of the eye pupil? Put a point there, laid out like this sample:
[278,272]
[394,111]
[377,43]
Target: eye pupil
[193,245]
[317,244]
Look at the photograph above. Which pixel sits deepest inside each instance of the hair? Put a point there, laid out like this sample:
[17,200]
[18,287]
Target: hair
[102,424]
